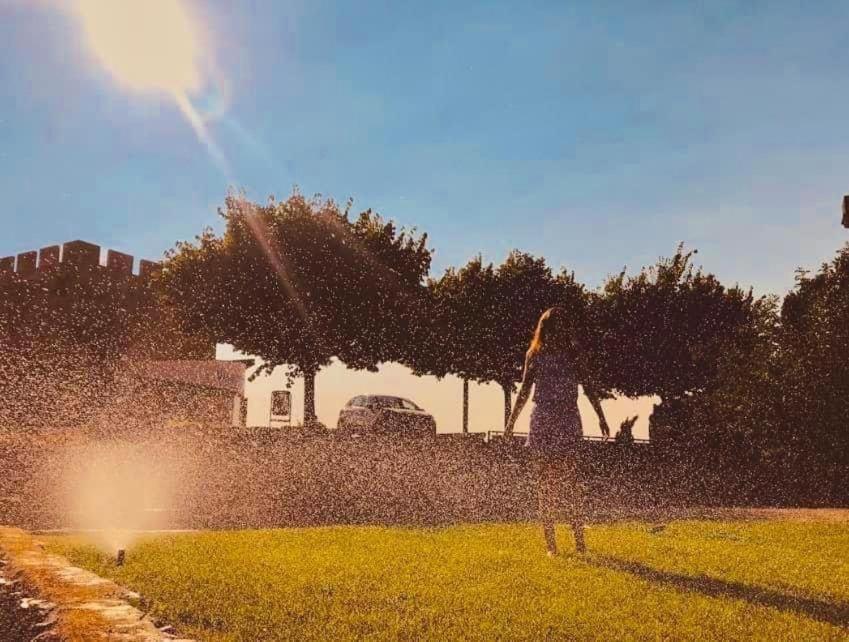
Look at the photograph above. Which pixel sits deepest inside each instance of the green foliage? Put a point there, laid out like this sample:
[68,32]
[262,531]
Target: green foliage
[709,352]
[671,330]
[691,581]
[298,283]
[463,318]
[528,288]
[667,330]
[814,353]
[482,318]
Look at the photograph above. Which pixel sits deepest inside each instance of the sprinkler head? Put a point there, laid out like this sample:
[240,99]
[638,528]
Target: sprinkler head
[119,557]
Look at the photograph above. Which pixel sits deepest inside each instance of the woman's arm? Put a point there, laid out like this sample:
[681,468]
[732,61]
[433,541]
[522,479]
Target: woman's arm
[592,395]
[522,397]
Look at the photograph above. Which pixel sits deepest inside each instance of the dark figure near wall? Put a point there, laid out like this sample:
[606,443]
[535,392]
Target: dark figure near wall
[625,436]
[553,368]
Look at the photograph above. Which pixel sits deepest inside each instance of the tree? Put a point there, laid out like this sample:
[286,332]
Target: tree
[666,330]
[707,351]
[483,318]
[298,283]
[462,320]
[813,358]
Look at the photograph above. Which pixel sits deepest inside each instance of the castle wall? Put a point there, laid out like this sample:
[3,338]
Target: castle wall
[81,254]
[70,322]
[165,339]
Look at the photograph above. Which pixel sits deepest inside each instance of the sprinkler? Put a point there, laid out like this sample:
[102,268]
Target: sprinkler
[119,557]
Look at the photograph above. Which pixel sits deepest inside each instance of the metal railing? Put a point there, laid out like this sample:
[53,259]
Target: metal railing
[500,433]
[612,440]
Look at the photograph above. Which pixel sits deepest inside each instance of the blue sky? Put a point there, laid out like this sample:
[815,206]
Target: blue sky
[597,134]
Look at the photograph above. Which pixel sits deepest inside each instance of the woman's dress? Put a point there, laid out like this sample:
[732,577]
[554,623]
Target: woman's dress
[555,421]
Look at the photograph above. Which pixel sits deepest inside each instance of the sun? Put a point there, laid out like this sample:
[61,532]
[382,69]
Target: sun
[147,45]
[153,46]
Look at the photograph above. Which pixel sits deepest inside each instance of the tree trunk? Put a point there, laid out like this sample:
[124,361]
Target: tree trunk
[508,401]
[465,406]
[309,397]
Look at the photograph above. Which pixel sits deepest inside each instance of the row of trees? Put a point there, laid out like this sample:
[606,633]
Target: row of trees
[299,282]
[759,384]
[480,318]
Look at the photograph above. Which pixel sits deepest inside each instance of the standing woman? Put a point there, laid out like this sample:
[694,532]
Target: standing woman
[554,365]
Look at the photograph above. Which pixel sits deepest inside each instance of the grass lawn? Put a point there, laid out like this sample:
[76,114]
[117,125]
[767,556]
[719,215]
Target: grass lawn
[778,580]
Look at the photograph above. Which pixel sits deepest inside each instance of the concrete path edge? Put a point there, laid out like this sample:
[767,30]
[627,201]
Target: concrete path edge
[86,606]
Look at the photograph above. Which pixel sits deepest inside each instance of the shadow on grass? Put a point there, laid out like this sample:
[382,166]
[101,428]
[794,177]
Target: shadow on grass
[836,613]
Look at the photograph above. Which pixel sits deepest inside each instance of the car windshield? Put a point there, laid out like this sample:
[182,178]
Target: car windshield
[385,402]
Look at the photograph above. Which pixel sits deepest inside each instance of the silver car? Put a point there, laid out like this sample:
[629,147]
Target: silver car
[381,414]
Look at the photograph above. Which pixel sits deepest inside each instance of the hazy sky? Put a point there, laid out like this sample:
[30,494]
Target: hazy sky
[597,134]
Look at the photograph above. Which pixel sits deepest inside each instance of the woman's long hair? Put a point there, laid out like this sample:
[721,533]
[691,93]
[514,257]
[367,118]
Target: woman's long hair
[556,331]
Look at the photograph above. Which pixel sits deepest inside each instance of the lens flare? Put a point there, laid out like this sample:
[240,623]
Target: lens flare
[201,131]
[275,260]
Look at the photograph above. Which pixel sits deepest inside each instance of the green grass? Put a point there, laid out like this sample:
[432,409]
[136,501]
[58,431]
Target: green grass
[693,580]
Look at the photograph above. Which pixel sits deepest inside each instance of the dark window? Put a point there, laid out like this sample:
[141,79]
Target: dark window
[379,402]
[409,405]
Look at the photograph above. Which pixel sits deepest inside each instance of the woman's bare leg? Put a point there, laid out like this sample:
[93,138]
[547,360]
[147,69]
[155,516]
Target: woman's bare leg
[576,483]
[578,531]
[544,474]
[555,479]
[550,537]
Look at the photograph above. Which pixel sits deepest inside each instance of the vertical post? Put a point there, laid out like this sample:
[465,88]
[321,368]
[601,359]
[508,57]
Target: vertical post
[508,402]
[309,397]
[846,211]
[243,412]
[465,406]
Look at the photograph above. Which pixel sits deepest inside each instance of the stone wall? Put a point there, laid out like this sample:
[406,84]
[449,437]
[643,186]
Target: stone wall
[74,270]
[68,323]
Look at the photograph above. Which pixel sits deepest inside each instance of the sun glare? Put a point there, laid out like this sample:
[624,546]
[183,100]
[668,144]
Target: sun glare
[149,45]
[152,45]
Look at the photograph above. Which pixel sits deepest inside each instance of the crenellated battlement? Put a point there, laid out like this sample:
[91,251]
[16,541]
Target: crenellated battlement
[81,254]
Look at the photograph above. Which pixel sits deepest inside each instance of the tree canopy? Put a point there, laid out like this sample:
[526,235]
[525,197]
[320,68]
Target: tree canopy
[665,330]
[483,317]
[813,358]
[298,283]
